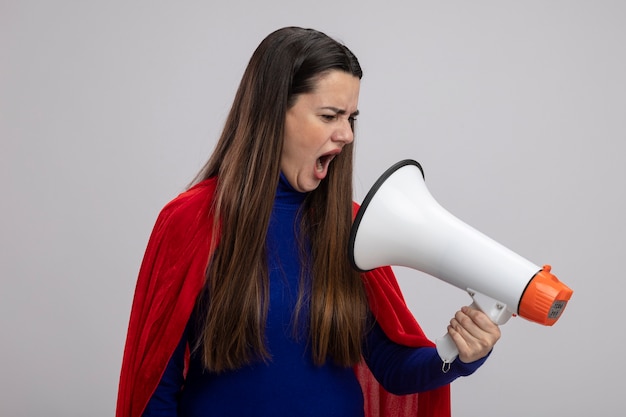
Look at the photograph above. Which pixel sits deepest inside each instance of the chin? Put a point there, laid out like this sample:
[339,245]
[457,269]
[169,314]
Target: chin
[310,187]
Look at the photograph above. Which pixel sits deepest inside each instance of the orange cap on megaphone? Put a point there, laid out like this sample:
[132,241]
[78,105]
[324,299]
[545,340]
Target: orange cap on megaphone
[544,298]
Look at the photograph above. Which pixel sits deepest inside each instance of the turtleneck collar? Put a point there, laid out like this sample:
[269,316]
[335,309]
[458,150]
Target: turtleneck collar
[286,195]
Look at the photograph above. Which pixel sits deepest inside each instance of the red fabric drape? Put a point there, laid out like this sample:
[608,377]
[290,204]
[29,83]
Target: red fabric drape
[170,278]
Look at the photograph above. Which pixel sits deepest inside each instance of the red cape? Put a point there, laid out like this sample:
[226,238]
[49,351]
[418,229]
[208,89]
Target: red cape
[170,278]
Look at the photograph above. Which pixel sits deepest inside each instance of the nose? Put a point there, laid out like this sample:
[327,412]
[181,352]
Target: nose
[344,132]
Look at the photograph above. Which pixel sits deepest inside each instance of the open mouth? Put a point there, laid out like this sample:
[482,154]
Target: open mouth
[323,162]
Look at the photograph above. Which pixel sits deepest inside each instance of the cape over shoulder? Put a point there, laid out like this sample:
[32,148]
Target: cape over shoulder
[170,278]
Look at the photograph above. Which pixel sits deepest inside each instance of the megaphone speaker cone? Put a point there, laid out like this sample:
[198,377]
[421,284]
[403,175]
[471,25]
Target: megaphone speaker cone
[363,260]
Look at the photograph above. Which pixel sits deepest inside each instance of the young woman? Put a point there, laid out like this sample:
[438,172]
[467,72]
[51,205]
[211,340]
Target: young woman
[246,304]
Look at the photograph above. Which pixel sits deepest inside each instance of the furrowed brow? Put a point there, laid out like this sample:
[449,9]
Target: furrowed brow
[340,111]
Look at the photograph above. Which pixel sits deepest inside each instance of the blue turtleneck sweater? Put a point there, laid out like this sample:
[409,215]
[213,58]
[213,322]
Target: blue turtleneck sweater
[290,384]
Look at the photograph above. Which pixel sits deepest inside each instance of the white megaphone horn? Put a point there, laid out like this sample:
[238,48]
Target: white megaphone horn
[400,223]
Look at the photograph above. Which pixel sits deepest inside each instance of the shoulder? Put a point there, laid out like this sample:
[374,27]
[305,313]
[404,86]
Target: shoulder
[186,213]
[190,203]
[192,199]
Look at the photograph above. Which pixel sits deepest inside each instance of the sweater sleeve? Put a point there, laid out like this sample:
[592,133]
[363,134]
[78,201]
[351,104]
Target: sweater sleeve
[406,370]
[164,400]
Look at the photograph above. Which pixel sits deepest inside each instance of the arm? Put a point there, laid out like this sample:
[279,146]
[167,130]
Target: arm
[164,400]
[404,370]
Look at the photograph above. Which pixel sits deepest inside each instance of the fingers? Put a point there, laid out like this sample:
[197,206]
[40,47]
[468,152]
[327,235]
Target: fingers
[473,333]
[477,323]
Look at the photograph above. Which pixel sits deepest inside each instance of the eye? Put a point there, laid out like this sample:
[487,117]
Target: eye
[329,117]
[352,120]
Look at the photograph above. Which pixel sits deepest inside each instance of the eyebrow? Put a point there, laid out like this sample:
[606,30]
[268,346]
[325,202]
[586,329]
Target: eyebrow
[340,111]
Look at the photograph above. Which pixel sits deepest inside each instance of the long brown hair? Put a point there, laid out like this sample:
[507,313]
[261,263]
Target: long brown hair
[233,305]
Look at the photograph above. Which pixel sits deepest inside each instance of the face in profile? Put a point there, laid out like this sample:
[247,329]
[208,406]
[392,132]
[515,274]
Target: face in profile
[317,127]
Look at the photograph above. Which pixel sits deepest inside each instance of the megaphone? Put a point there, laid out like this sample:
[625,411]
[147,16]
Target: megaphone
[400,223]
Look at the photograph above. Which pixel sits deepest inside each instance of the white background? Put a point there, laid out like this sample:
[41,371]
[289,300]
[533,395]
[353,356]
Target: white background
[515,109]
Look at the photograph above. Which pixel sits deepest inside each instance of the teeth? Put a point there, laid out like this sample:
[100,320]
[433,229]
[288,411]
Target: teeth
[323,162]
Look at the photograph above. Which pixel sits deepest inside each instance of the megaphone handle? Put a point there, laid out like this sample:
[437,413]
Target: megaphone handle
[447,350]
[497,312]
